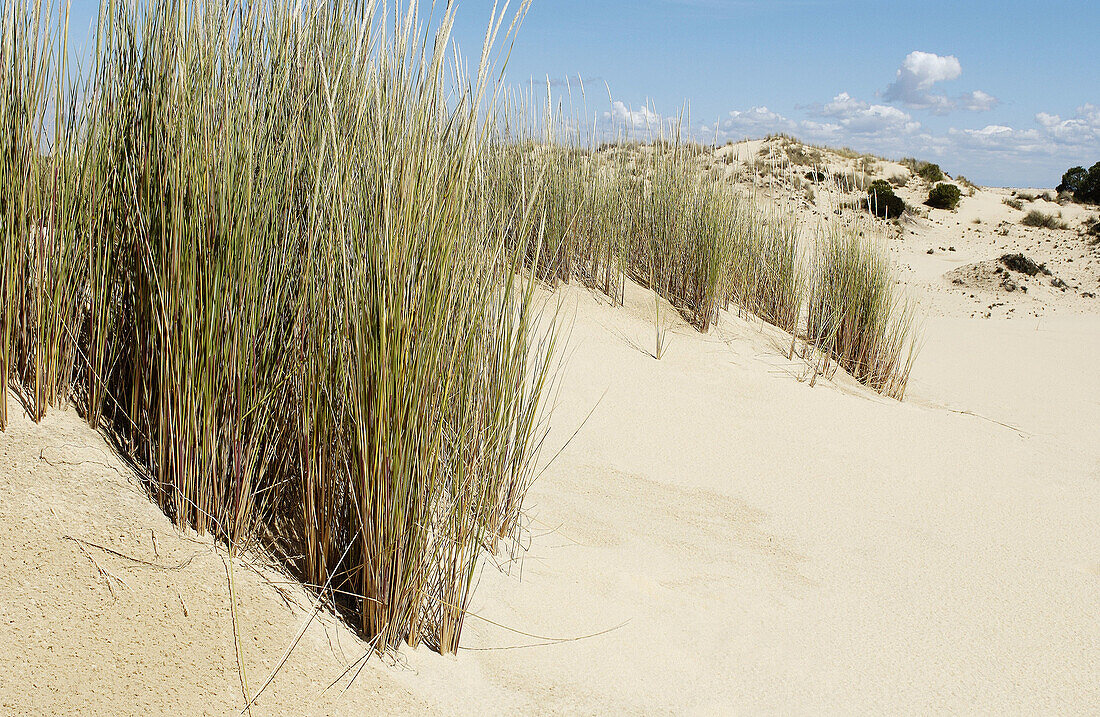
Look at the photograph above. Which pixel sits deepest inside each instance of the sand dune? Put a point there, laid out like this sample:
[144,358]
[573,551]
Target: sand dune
[718,536]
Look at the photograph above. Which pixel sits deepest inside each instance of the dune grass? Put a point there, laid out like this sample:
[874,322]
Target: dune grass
[1035,218]
[855,314]
[266,234]
[288,259]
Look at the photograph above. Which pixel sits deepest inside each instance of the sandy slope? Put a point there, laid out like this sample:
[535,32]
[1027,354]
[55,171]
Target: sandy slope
[106,609]
[723,537]
[772,547]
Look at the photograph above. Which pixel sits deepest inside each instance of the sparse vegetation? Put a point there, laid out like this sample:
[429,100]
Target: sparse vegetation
[1092,226]
[798,154]
[970,187]
[1014,203]
[944,196]
[927,171]
[1021,264]
[1035,218]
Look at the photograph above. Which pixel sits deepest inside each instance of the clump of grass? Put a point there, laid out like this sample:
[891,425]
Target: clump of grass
[798,154]
[1023,264]
[1035,218]
[1013,203]
[970,187]
[269,236]
[765,274]
[855,315]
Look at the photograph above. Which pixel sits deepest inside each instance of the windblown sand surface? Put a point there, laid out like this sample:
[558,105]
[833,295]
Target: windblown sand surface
[718,537]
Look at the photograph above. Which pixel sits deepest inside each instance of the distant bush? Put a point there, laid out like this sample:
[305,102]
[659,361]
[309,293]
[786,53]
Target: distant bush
[1083,184]
[799,155]
[1092,226]
[882,202]
[1014,203]
[1046,221]
[899,180]
[944,196]
[930,172]
[1073,179]
[815,176]
[925,170]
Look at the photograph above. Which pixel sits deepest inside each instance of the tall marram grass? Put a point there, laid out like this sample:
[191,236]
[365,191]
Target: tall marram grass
[855,314]
[651,214]
[265,231]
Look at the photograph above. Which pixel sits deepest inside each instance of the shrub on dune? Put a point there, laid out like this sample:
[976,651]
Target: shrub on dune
[944,196]
[882,202]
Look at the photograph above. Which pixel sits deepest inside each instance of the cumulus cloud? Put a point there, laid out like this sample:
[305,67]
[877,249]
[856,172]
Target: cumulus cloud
[1052,136]
[752,122]
[1081,130]
[919,73]
[844,119]
[862,118]
[638,119]
[978,101]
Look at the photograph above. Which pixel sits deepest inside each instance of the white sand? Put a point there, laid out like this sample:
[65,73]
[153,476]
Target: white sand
[753,544]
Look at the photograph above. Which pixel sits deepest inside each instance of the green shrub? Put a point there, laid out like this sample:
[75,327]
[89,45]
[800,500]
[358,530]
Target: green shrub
[882,202]
[1083,184]
[925,170]
[1014,203]
[1073,179]
[930,172]
[944,196]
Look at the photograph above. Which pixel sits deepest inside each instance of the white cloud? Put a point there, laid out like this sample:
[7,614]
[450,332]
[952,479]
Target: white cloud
[844,119]
[1080,130]
[644,118]
[1052,135]
[862,118]
[978,101]
[919,73]
[754,122]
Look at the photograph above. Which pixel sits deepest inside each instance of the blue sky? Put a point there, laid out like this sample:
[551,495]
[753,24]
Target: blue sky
[1007,93]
